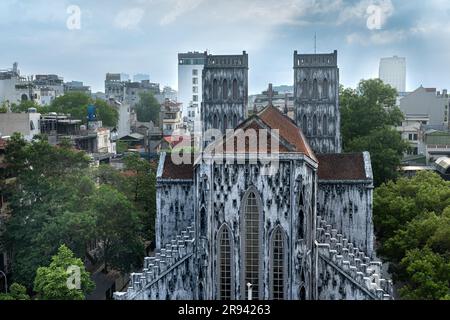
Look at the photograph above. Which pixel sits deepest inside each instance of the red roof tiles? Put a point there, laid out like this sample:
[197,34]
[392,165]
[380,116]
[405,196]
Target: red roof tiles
[341,167]
[177,171]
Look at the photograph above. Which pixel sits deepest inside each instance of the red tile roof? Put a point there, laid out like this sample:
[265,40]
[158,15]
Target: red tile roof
[341,167]
[289,131]
[177,171]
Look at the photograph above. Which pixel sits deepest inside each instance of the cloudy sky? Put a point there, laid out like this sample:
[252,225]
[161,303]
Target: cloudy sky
[144,36]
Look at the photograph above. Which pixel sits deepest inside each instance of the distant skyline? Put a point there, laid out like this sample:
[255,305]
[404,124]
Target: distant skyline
[145,36]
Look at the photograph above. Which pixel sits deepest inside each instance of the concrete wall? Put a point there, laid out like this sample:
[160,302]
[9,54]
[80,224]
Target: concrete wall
[20,122]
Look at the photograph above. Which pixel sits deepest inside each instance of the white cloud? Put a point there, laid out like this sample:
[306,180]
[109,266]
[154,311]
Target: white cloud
[359,11]
[179,8]
[377,38]
[129,18]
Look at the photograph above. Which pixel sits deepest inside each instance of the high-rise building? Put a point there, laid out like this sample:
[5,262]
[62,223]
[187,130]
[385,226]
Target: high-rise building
[393,72]
[190,68]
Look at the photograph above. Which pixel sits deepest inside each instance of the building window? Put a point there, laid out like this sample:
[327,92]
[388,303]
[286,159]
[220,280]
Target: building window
[235,90]
[195,98]
[301,217]
[215,90]
[195,72]
[325,89]
[315,89]
[225,89]
[235,121]
[32,125]
[203,222]
[314,128]
[195,89]
[325,125]
[194,80]
[304,88]
[225,123]
[305,124]
[251,246]
[225,265]
[278,264]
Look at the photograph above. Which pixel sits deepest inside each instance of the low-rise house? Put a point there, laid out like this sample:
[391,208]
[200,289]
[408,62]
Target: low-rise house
[27,124]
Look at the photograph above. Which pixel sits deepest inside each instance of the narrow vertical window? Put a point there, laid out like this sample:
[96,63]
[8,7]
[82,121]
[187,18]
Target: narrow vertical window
[325,89]
[315,89]
[304,88]
[251,246]
[235,90]
[203,222]
[235,121]
[305,125]
[225,123]
[314,128]
[215,90]
[325,126]
[225,275]
[278,264]
[225,90]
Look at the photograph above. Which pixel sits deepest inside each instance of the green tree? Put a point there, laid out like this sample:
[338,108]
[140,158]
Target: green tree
[54,283]
[428,275]
[118,229]
[24,105]
[16,292]
[412,221]
[3,107]
[148,108]
[76,104]
[369,115]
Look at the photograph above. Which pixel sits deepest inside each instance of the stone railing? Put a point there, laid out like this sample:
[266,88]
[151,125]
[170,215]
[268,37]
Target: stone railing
[158,266]
[351,261]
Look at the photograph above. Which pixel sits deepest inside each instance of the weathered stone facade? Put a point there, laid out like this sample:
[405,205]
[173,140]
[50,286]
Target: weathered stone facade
[316,100]
[303,231]
[225,95]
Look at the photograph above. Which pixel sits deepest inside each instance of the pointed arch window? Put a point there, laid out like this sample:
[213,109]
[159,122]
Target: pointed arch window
[325,125]
[305,124]
[304,88]
[203,222]
[225,123]
[315,89]
[251,246]
[225,89]
[325,89]
[314,128]
[235,121]
[278,264]
[235,90]
[225,275]
[215,90]
[215,121]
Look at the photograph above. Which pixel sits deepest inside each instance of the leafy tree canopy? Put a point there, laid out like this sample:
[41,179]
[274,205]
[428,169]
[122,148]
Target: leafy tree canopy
[369,115]
[148,108]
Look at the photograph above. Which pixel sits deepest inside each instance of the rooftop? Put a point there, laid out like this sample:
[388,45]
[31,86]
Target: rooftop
[350,166]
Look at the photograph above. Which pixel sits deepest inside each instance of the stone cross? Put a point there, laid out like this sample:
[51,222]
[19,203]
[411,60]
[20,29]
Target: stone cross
[270,94]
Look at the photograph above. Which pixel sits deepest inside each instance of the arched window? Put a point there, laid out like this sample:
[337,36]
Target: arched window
[235,90]
[24,97]
[278,264]
[305,124]
[315,89]
[203,222]
[325,89]
[251,245]
[325,125]
[32,125]
[215,121]
[302,293]
[314,128]
[215,90]
[304,88]
[301,217]
[225,123]
[225,89]
[225,279]
[235,121]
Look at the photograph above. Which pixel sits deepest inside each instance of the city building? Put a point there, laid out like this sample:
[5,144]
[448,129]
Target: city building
[170,117]
[393,72]
[190,68]
[27,124]
[297,228]
[77,86]
[123,127]
[126,91]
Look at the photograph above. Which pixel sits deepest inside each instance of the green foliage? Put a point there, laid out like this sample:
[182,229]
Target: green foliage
[148,108]
[118,229]
[428,275]
[368,116]
[16,292]
[24,105]
[51,283]
[412,220]
[76,104]
[3,108]
[121,146]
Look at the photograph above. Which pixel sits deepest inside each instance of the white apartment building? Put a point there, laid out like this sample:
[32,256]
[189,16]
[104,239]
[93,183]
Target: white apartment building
[28,124]
[190,68]
[393,72]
